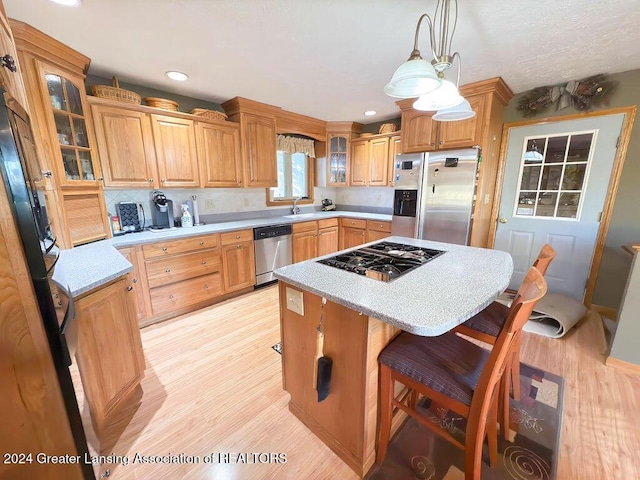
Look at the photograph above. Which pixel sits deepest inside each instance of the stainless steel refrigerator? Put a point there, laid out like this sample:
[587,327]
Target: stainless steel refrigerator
[434,195]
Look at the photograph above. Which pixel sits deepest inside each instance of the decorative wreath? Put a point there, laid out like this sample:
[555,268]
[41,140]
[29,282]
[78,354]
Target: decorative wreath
[584,94]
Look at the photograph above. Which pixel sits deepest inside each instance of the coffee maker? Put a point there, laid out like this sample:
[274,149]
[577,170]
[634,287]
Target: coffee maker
[161,211]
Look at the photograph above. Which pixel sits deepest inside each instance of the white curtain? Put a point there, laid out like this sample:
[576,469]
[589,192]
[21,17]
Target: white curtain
[296,145]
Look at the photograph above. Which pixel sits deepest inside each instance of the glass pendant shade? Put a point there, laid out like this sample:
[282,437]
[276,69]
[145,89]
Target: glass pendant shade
[444,97]
[413,78]
[533,156]
[453,114]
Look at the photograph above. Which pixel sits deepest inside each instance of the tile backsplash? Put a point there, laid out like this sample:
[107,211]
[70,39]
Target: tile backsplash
[224,201]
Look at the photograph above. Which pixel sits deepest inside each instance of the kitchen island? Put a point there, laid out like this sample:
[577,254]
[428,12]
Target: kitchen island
[361,316]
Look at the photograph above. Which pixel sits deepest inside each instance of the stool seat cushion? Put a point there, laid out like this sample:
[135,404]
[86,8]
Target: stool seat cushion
[490,320]
[447,364]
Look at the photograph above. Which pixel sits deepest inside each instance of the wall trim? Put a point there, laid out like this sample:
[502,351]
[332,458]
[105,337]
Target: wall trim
[616,172]
[622,365]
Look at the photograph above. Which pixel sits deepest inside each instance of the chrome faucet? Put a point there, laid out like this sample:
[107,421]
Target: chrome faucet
[295,210]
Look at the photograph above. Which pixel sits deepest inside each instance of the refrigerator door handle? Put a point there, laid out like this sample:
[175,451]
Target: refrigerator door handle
[433,188]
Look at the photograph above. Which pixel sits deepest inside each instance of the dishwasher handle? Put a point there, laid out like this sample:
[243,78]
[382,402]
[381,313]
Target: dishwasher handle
[262,233]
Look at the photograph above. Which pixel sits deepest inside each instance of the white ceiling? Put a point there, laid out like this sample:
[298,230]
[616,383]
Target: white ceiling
[330,59]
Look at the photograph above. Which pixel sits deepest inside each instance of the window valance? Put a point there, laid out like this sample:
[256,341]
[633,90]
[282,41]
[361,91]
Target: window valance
[296,145]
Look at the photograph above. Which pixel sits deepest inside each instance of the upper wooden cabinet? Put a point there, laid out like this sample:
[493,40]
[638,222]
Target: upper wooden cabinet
[372,160]
[175,142]
[125,146]
[219,155]
[421,134]
[10,72]
[257,139]
[338,152]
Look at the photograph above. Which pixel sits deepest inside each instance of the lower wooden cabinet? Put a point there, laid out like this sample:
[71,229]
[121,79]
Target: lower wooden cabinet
[186,293]
[355,231]
[136,280]
[109,353]
[238,266]
[314,239]
[377,230]
[352,237]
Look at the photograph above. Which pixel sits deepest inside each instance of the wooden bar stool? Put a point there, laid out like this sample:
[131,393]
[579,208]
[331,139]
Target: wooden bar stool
[486,325]
[457,374]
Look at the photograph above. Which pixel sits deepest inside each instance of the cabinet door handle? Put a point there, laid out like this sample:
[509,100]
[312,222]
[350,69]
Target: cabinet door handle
[204,262]
[168,270]
[135,280]
[9,63]
[164,249]
[129,288]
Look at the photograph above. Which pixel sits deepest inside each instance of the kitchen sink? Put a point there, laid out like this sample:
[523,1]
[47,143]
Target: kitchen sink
[301,215]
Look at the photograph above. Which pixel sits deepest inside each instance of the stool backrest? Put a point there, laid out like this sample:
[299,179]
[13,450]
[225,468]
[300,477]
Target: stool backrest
[546,255]
[532,289]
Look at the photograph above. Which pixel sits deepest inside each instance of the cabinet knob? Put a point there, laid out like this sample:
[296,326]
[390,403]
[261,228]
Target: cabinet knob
[171,297]
[201,243]
[129,288]
[164,249]
[9,63]
[100,179]
[47,174]
[237,236]
[362,234]
[239,182]
[151,180]
[204,262]
[381,226]
[238,246]
[135,280]
[163,180]
[168,270]
[353,223]
[441,142]
[206,287]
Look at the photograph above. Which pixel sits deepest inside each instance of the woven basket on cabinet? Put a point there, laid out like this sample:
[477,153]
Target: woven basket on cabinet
[210,114]
[162,103]
[115,93]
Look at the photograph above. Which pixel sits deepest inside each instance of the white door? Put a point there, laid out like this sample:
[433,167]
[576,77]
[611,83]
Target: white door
[555,183]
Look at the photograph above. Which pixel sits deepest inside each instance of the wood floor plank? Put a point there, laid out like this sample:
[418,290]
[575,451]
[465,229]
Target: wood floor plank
[213,385]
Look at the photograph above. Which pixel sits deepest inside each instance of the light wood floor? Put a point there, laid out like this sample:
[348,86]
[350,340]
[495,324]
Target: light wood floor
[213,385]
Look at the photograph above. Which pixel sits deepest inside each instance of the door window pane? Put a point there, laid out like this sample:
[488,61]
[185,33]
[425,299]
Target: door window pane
[553,189]
[556,148]
[579,147]
[530,177]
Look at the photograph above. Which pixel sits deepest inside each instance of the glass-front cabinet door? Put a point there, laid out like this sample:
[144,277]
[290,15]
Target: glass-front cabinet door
[337,159]
[72,141]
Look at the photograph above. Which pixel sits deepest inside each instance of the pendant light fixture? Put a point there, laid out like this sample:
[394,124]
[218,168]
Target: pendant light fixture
[533,155]
[419,78]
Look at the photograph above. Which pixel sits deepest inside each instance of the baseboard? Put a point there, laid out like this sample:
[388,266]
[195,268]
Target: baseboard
[610,313]
[622,365]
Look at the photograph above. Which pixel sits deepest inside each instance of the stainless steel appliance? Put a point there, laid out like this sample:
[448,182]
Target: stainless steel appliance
[18,170]
[161,211]
[272,245]
[444,184]
[384,261]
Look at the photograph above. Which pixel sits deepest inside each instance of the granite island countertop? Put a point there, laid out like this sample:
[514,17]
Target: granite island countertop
[428,301]
[83,268]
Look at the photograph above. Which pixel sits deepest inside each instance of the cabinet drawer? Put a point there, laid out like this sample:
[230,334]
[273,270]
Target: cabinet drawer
[186,293]
[328,222]
[184,245]
[304,227]
[230,238]
[379,226]
[353,223]
[164,271]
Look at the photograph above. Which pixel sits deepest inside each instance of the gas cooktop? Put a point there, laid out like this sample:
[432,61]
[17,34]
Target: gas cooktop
[383,261]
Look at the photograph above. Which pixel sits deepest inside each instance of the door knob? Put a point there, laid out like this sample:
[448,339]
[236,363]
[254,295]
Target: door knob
[503,220]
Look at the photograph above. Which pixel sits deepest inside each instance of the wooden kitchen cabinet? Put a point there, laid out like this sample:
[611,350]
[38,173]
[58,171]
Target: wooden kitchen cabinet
[351,237]
[10,72]
[356,231]
[125,146]
[136,280]
[238,260]
[378,161]
[419,131]
[219,155]
[359,167]
[109,354]
[372,160]
[84,214]
[175,145]
[377,230]
[314,239]
[339,148]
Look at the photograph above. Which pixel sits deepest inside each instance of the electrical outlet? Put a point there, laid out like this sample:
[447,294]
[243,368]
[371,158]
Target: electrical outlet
[295,301]
[209,204]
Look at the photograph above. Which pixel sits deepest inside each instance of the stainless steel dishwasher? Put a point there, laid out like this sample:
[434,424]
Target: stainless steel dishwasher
[272,250]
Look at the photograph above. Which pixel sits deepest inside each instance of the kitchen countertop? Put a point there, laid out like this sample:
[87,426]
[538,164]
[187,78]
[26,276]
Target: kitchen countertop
[86,267]
[428,301]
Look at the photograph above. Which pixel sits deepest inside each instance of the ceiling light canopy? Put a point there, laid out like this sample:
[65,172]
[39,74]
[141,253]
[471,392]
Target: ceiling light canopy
[177,76]
[420,78]
[68,3]
[370,113]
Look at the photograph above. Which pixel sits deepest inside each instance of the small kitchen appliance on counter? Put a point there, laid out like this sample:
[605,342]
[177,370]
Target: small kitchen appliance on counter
[327,205]
[161,211]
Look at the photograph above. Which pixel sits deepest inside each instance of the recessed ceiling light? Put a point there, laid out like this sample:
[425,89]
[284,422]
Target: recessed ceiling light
[177,76]
[68,3]
[370,113]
